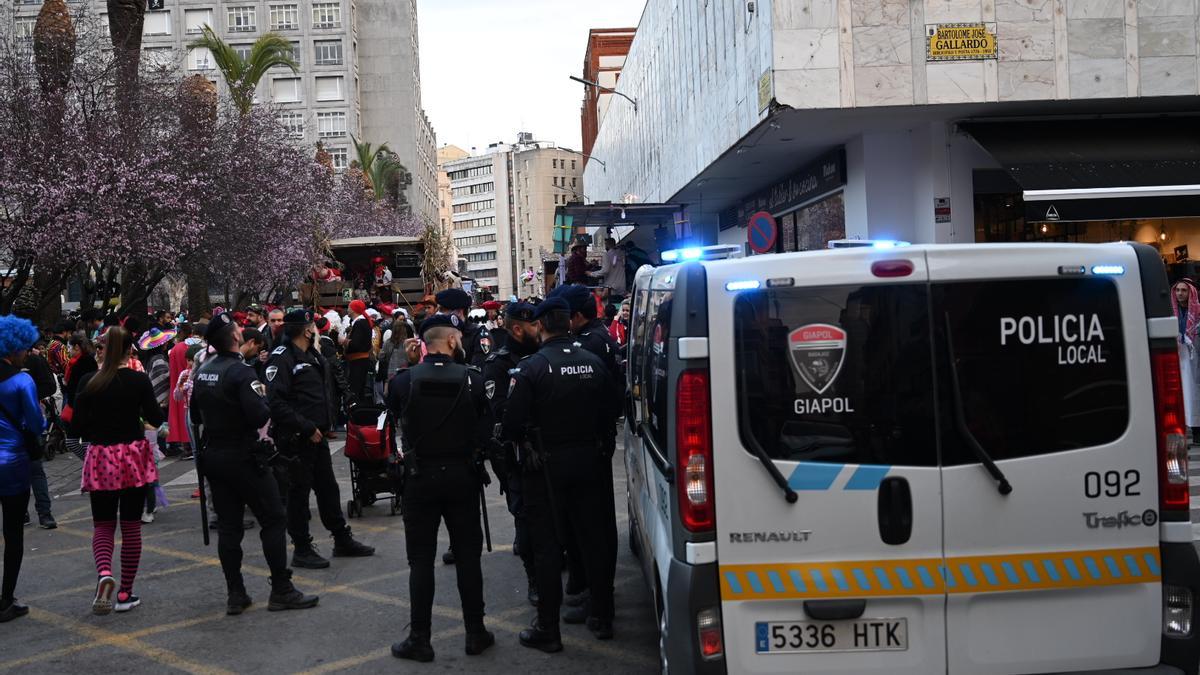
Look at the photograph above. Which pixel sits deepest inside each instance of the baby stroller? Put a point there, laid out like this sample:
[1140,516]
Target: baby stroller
[375,467]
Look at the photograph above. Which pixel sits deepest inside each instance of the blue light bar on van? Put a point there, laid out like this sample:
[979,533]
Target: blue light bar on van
[717,252]
[885,243]
[748,285]
[1108,269]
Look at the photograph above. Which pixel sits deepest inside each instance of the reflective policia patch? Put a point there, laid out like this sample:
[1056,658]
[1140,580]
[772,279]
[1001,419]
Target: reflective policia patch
[489,388]
[818,351]
[271,372]
[935,576]
[259,388]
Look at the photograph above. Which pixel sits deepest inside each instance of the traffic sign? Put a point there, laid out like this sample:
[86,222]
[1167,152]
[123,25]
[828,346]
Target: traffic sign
[762,232]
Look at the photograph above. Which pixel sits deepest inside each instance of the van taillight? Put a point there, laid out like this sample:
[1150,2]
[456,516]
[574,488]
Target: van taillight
[693,442]
[1172,431]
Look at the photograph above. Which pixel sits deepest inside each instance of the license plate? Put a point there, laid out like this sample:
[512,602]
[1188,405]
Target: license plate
[860,635]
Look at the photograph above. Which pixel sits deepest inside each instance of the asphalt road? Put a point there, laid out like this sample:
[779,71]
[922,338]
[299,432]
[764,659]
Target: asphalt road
[181,624]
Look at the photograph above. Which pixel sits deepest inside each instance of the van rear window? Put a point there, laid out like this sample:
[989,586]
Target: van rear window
[1041,365]
[839,374]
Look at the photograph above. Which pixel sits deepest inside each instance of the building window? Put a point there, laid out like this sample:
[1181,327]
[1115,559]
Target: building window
[573,180]
[468,190]
[199,58]
[476,240]
[475,206]
[554,164]
[157,57]
[485,170]
[340,157]
[295,54]
[555,180]
[23,28]
[293,123]
[331,124]
[572,165]
[241,20]
[285,17]
[195,19]
[157,23]
[328,52]
[489,272]
[327,15]
[243,51]
[330,88]
[481,257]
[285,90]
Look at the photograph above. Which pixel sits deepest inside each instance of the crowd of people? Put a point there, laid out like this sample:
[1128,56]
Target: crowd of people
[254,396]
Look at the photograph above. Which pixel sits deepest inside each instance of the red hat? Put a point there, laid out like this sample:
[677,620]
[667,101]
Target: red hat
[490,304]
[358,307]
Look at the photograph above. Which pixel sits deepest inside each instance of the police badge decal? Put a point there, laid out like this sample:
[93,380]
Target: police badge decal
[817,351]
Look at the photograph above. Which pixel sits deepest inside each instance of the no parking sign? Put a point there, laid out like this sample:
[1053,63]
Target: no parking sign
[762,232]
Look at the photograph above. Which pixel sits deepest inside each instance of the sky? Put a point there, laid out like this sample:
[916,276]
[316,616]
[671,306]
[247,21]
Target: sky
[492,68]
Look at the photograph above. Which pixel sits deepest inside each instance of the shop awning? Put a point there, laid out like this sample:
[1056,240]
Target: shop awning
[1106,152]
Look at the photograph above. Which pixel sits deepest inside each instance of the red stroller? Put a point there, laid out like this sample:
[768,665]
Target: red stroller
[375,466]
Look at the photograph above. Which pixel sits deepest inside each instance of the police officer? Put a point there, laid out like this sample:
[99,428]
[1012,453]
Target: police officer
[558,409]
[298,395]
[591,334]
[477,344]
[444,422]
[498,369]
[229,401]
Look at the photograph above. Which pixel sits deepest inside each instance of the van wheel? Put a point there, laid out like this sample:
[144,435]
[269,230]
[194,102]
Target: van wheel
[660,604]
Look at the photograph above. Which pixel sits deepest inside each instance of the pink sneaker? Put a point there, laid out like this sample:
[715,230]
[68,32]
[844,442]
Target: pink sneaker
[103,604]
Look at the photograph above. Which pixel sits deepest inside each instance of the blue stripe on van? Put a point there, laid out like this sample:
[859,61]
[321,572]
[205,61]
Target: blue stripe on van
[1152,564]
[798,581]
[735,584]
[776,581]
[1031,572]
[814,475]
[867,477]
[752,577]
[1133,566]
[882,576]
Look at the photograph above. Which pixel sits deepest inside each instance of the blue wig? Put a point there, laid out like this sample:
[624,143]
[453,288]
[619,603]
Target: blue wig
[16,335]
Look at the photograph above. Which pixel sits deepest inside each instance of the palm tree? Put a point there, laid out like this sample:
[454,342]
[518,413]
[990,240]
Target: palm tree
[243,75]
[381,168]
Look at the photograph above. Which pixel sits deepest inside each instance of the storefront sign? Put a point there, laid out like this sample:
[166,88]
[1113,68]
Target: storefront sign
[941,209]
[826,174]
[960,41]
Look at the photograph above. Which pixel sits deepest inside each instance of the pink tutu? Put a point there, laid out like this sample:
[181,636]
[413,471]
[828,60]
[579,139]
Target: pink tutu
[117,467]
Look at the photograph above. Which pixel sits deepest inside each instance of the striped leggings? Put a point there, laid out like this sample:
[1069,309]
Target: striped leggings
[106,506]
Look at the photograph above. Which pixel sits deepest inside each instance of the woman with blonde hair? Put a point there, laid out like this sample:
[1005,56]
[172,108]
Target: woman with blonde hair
[112,408]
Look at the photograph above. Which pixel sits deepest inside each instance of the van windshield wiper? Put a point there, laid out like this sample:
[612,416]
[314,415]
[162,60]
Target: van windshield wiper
[960,419]
[769,464]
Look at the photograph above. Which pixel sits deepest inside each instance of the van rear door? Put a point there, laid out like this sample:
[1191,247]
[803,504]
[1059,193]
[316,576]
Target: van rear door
[832,382]
[1042,361]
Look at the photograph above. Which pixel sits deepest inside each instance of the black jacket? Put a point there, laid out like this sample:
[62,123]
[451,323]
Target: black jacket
[297,392]
[228,400]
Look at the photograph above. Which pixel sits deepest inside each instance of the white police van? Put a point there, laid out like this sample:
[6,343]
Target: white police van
[921,459]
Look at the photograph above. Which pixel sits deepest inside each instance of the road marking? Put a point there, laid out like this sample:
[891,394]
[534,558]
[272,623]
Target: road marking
[126,642]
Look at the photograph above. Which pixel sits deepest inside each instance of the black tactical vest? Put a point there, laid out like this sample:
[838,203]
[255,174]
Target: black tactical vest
[439,421]
[220,409]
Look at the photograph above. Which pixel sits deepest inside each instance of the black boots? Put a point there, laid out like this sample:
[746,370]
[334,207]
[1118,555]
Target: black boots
[285,596]
[346,546]
[479,639]
[532,593]
[448,557]
[536,637]
[603,630]
[306,556]
[577,614]
[415,647]
[238,601]
[14,610]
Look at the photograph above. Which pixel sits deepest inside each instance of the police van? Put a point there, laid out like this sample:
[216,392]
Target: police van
[912,459]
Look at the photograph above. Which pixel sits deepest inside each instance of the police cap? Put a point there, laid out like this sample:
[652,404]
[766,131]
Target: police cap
[520,311]
[298,317]
[219,324]
[440,321]
[454,298]
[553,304]
[577,297]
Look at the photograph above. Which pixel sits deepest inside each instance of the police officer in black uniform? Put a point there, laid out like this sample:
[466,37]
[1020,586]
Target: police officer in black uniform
[477,341]
[558,409]
[477,344]
[298,395]
[445,424]
[230,403]
[498,371]
[591,335]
